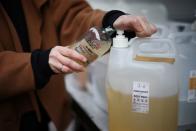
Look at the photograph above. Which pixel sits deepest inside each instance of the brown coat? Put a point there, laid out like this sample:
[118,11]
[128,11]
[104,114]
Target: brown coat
[49,23]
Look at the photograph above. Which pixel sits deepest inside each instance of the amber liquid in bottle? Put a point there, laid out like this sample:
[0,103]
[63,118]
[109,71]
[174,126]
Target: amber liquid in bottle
[95,43]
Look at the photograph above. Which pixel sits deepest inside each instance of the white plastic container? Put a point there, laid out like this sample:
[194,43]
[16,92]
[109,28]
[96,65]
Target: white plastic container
[186,67]
[98,71]
[142,86]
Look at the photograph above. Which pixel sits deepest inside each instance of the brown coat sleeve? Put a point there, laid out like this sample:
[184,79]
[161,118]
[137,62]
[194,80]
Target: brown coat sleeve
[74,17]
[12,66]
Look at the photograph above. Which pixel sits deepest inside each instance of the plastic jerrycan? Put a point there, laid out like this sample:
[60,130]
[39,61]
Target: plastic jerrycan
[162,31]
[186,66]
[142,86]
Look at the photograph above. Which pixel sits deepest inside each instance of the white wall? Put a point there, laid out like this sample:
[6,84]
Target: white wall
[181,10]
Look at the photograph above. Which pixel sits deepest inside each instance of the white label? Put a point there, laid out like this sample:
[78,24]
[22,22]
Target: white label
[140,97]
[192,87]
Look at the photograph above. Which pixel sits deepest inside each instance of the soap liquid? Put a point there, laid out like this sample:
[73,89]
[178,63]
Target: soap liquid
[162,115]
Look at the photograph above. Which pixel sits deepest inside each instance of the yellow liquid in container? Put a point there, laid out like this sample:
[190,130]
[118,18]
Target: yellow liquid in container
[162,114]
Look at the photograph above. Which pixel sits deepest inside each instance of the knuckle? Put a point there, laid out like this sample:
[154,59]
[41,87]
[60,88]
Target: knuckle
[64,61]
[68,52]
[50,62]
[53,55]
[68,62]
[59,66]
[135,21]
[56,48]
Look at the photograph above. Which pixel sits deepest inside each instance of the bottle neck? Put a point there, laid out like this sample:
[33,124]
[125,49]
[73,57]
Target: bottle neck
[109,31]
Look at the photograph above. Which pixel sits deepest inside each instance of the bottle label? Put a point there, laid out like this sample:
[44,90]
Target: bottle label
[140,97]
[192,86]
[95,43]
[86,50]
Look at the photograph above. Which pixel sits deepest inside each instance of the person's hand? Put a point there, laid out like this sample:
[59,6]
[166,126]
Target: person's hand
[138,24]
[63,60]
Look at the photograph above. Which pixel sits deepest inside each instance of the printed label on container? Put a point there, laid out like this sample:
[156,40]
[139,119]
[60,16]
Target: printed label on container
[192,86]
[140,97]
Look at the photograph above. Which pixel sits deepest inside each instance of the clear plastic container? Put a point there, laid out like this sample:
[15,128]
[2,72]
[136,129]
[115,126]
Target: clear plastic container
[98,71]
[142,86]
[175,27]
[186,66]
